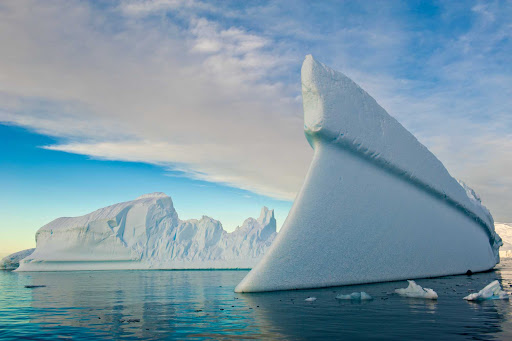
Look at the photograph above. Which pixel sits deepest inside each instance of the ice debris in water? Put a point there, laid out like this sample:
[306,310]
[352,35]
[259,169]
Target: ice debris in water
[416,291]
[361,296]
[492,291]
[310,299]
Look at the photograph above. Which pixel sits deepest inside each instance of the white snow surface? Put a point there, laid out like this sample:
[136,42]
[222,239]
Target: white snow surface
[356,296]
[376,205]
[416,291]
[505,232]
[147,233]
[492,291]
[337,109]
[12,261]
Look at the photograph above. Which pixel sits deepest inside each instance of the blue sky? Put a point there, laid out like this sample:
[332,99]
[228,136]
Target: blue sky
[101,102]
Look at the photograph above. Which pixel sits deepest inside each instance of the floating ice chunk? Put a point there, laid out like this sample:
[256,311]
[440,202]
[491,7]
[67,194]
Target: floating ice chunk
[310,299]
[492,291]
[416,291]
[360,296]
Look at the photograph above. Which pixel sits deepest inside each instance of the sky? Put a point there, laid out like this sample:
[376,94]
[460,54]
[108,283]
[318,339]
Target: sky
[103,101]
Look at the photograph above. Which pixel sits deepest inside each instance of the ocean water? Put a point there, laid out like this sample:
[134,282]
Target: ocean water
[202,305]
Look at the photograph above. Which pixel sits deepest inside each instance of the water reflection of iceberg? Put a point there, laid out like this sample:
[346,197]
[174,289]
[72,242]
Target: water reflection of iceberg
[388,316]
[142,304]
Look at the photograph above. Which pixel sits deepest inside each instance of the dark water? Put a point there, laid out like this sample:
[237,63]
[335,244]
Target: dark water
[202,305]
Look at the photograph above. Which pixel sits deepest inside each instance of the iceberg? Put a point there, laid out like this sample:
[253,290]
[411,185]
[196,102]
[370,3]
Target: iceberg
[376,205]
[12,261]
[416,291]
[492,291]
[356,296]
[146,233]
[505,232]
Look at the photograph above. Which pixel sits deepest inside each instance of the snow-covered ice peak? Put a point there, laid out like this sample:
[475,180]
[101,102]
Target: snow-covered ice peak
[153,195]
[416,291]
[492,291]
[266,216]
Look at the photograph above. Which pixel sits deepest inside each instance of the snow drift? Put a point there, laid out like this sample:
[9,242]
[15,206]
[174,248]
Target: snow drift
[146,233]
[376,205]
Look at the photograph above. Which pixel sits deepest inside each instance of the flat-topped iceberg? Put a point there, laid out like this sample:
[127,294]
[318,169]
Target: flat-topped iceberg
[146,233]
[376,204]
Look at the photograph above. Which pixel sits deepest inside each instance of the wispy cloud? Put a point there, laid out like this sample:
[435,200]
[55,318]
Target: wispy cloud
[212,89]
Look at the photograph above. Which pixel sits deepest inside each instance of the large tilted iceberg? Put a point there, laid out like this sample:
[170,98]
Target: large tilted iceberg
[376,205]
[146,233]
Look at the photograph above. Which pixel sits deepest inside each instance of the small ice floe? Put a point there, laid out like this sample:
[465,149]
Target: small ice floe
[492,291]
[359,296]
[310,299]
[416,291]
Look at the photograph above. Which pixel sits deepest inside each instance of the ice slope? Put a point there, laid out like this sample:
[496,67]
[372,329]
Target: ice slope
[376,205]
[147,233]
[505,232]
[12,261]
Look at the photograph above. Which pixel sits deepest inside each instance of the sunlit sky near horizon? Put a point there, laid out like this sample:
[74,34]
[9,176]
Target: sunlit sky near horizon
[102,101]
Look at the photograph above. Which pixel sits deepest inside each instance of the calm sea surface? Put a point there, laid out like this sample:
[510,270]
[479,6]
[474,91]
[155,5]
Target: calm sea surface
[202,305]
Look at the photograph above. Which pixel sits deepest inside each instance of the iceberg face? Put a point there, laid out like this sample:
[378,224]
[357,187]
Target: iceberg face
[492,291]
[12,261]
[356,296]
[147,233]
[416,291]
[376,205]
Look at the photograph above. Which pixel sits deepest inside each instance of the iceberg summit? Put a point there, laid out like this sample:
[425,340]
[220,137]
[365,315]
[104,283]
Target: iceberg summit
[376,205]
[146,233]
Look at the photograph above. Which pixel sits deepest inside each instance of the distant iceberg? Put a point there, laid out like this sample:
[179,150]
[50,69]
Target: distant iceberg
[492,291]
[146,233]
[12,261]
[505,232]
[376,204]
[414,290]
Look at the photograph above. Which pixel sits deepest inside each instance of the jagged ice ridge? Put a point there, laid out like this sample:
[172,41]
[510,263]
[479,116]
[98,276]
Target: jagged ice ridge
[146,233]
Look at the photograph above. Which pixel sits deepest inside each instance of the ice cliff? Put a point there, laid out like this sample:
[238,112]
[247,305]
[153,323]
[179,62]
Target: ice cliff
[147,233]
[376,204]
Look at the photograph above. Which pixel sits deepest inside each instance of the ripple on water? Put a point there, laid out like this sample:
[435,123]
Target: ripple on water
[202,305]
